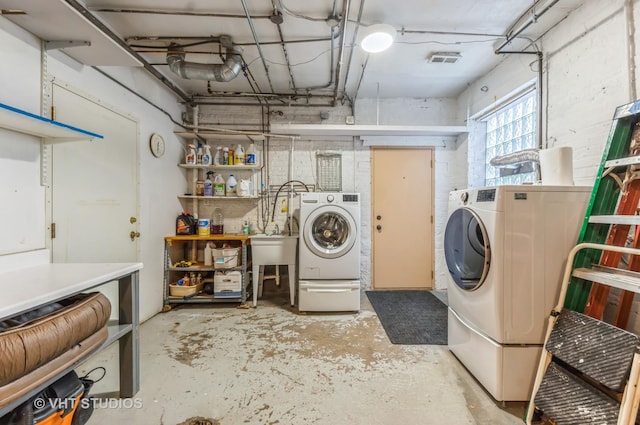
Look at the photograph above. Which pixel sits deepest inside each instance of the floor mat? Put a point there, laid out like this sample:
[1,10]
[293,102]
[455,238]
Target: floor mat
[411,317]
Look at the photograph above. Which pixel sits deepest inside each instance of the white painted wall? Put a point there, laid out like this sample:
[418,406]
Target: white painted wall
[585,78]
[587,75]
[160,179]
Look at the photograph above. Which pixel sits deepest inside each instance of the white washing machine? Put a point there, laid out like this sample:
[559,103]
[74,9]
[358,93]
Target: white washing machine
[329,252]
[505,249]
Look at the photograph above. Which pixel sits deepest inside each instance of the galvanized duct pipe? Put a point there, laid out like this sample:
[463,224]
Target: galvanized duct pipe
[525,155]
[223,72]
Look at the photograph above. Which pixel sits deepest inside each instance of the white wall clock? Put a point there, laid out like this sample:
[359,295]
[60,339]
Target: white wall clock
[156,144]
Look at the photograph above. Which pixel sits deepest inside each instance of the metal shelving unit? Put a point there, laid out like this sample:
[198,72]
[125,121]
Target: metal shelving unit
[190,245]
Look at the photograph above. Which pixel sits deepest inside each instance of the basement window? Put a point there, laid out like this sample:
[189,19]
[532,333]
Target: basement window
[510,129]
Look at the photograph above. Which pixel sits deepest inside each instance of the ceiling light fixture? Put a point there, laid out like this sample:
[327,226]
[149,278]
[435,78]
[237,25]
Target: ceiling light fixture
[377,38]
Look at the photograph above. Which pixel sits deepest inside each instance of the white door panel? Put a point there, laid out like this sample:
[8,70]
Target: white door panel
[94,185]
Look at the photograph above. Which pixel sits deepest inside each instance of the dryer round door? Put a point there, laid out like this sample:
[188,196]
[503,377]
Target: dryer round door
[466,249]
[330,232]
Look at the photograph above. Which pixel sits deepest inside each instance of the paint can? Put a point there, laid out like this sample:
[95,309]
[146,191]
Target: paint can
[204,227]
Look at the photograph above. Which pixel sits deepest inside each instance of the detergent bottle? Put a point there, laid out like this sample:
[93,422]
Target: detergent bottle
[208,254]
[232,185]
[206,156]
[190,159]
[199,154]
[250,155]
[217,160]
[239,155]
[208,184]
[218,185]
[225,156]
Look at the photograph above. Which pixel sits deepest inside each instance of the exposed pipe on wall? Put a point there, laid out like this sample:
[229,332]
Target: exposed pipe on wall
[513,33]
[332,61]
[631,49]
[539,93]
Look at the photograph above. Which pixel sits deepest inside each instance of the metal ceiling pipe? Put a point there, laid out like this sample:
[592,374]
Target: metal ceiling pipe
[513,34]
[222,72]
[332,38]
[343,27]
[255,38]
[353,43]
[81,8]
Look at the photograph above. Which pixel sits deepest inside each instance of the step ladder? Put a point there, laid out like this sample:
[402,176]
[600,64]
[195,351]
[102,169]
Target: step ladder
[610,215]
[589,370]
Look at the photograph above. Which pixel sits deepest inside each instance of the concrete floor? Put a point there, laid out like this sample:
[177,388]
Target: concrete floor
[272,365]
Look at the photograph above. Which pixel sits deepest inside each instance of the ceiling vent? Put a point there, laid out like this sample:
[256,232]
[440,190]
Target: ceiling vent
[445,57]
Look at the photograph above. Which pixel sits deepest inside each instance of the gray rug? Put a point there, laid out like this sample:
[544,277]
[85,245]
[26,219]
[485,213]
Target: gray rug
[411,317]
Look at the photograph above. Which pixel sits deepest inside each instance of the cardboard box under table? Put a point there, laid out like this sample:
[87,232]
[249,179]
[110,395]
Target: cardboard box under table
[227,284]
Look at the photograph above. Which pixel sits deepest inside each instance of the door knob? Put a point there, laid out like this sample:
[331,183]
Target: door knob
[379,227]
[134,235]
[132,220]
[379,217]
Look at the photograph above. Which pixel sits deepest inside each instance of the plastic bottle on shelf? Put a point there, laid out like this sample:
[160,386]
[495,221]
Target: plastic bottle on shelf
[208,184]
[250,155]
[225,156]
[217,159]
[219,185]
[239,155]
[199,154]
[199,187]
[232,185]
[206,156]
[231,156]
[208,254]
[217,222]
[190,159]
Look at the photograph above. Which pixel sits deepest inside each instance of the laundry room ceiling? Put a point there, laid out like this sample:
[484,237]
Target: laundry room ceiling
[292,50]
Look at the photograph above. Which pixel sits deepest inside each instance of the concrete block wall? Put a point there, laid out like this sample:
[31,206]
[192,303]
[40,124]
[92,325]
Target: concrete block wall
[356,159]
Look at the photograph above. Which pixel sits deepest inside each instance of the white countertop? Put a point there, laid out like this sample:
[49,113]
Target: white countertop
[26,288]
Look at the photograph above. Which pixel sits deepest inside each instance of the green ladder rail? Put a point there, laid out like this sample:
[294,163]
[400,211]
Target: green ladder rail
[603,200]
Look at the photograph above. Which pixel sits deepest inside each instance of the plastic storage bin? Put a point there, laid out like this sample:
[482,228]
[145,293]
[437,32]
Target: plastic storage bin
[183,291]
[226,258]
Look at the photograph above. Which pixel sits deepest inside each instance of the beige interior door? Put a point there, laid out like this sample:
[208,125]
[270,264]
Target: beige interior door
[402,222]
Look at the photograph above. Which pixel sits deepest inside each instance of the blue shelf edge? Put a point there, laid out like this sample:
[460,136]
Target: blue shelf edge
[52,122]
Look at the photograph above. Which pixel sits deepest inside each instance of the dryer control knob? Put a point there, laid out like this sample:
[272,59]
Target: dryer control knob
[330,198]
[464,197]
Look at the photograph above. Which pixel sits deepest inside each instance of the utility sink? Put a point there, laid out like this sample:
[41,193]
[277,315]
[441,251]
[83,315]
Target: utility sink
[273,250]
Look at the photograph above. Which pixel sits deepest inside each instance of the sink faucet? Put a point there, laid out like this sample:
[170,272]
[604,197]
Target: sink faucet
[277,231]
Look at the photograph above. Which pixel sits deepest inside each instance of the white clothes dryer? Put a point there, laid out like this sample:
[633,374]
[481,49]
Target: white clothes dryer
[505,249]
[329,252]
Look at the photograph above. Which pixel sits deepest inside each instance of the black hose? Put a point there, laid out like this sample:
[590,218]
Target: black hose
[275,200]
